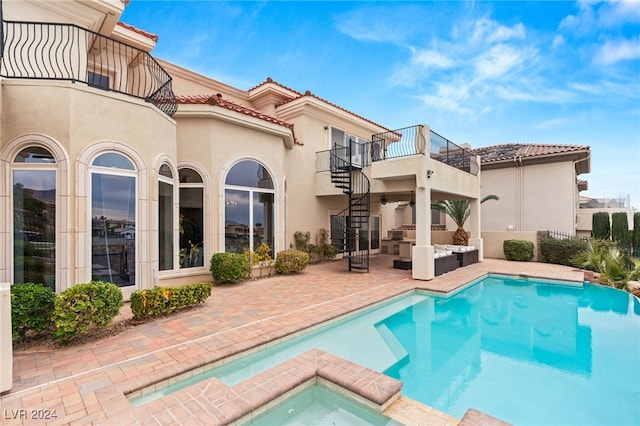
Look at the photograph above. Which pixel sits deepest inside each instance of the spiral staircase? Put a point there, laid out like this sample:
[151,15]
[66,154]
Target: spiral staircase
[349,228]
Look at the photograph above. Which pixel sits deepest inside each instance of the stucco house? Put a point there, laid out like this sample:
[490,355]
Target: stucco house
[537,184]
[119,166]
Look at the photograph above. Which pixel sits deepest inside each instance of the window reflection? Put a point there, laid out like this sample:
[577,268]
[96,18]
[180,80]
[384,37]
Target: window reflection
[236,212]
[165,225]
[249,207]
[113,229]
[191,218]
[251,174]
[34,231]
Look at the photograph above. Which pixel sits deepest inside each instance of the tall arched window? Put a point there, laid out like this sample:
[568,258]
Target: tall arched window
[113,219]
[191,218]
[34,216]
[249,207]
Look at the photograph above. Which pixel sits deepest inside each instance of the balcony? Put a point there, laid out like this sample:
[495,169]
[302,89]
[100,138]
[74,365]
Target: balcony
[51,51]
[406,142]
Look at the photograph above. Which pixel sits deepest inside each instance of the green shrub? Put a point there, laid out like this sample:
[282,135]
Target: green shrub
[518,250]
[635,236]
[84,307]
[260,255]
[325,248]
[301,240]
[31,308]
[560,252]
[600,228]
[229,267]
[164,300]
[620,229]
[291,261]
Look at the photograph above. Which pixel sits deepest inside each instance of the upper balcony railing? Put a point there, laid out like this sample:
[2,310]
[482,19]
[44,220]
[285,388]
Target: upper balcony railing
[403,143]
[51,51]
[445,151]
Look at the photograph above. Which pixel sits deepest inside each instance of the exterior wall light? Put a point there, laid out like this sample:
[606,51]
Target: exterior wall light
[383,199]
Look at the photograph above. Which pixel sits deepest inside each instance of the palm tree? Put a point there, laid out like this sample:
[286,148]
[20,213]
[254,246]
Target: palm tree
[459,211]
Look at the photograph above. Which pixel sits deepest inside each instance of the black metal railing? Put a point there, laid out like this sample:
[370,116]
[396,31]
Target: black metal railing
[398,143]
[558,235]
[51,51]
[443,150]
[404,143]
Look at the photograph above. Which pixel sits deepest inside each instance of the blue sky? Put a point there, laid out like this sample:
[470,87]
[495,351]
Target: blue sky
[482,73]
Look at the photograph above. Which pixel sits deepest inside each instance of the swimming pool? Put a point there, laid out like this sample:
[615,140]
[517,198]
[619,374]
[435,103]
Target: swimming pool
[318,405]
[523,350]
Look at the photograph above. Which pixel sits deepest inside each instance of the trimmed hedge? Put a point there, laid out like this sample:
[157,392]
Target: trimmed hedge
[635,236]
[620,229]
[291,261]
[561,252]
[229,267]
[164,300]
[84,307]
[518,250]
[31,308]
[600,227]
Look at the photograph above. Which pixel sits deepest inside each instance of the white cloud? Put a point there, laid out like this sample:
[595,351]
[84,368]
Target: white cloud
[500,60]
[558,41]
[431,58]
[549,124]
[614,51]
[487,31]
[615,13]
[594,15]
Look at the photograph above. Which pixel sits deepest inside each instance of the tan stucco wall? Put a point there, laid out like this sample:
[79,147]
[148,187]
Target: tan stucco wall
[80,121]
[532,198]
[215,146]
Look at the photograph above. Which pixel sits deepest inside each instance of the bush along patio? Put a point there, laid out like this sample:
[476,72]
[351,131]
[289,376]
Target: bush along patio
[86,309]
[610,264]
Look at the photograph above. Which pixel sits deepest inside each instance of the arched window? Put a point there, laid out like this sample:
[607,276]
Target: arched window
[113,219]
[249,207]
[191,218]
[34,216]
[165,218]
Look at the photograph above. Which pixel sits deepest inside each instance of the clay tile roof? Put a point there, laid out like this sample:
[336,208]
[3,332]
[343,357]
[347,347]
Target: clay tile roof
[218,100]
[510,151]
[272,81]
[144,33]
[311,95]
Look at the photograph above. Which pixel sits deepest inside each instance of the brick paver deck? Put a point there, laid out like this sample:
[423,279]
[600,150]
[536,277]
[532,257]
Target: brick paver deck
[88,383]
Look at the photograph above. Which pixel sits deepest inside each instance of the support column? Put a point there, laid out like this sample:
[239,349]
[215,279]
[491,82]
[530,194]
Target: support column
[6,344]
[474,227]
[423,267]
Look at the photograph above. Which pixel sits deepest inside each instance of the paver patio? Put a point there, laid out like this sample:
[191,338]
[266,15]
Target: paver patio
[87,384]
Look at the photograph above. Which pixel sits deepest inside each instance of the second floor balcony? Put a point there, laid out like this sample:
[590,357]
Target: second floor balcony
[53,51]
[401,143]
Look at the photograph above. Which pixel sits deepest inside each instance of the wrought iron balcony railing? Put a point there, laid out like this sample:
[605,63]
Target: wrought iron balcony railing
[403,143]
[51,51]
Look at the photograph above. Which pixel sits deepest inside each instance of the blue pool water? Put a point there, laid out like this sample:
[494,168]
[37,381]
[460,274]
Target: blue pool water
[524,352]
[318,405]
[528,352]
